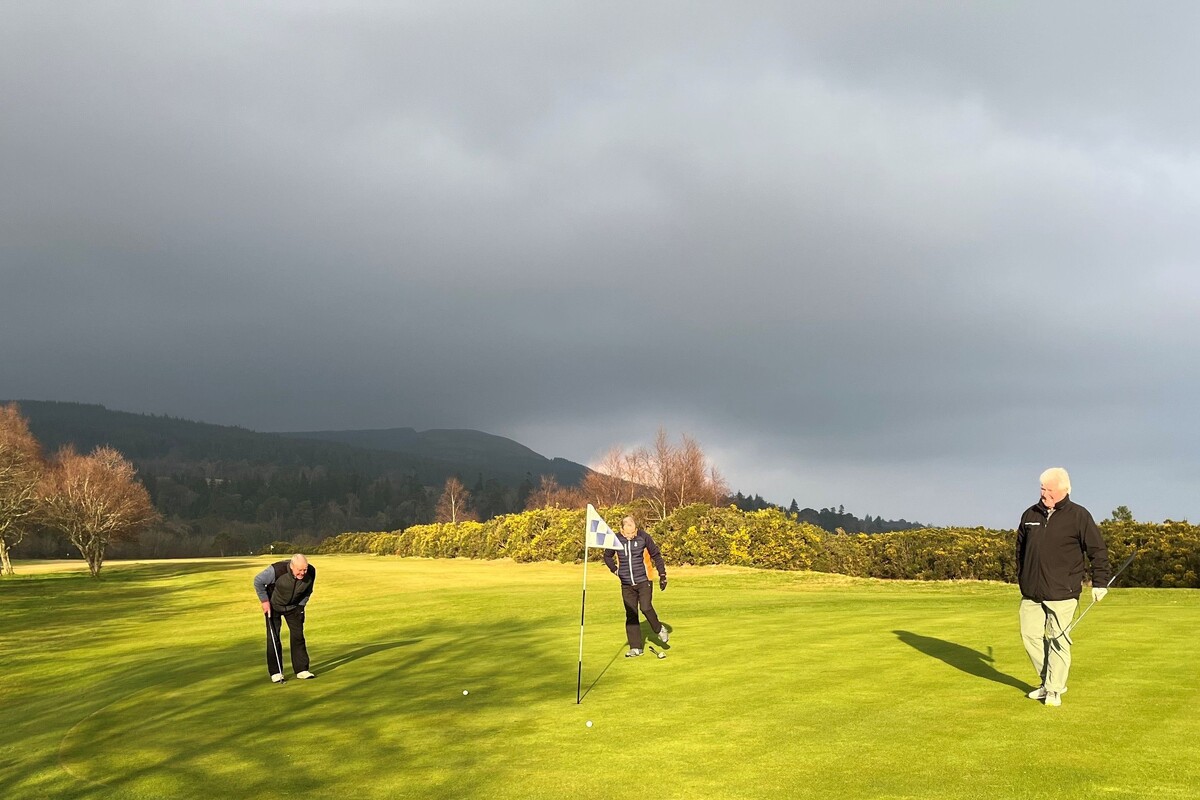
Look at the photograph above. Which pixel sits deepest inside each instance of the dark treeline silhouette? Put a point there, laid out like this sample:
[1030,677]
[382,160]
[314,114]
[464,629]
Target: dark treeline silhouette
[236,516]
[827,518]
[229,491]
[224,490]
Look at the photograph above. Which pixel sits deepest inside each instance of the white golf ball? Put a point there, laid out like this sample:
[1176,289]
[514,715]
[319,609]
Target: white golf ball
[589,723]
[464,691]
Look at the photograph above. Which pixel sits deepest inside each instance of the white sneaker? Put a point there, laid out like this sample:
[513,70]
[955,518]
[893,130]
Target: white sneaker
[1037,694]
[277,677]
[1053,699]
[663,634]
[305,675]
[633,653]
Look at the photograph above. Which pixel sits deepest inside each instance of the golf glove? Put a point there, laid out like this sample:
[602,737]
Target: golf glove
[662,583]
[1098,593]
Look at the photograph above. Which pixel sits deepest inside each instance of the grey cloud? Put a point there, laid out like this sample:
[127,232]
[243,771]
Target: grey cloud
[905,241]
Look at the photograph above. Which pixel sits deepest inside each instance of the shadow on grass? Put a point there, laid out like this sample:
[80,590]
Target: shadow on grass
[330,664]
[652,635]
[596,680]
[963,658]
[153,719]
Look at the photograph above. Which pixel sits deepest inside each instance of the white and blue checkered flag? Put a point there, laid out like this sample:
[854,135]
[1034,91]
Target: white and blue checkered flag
[598,534]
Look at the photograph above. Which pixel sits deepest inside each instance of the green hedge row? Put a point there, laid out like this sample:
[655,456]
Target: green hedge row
[1168,553]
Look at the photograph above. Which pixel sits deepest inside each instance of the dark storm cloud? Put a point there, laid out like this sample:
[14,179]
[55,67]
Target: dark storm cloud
[896,256]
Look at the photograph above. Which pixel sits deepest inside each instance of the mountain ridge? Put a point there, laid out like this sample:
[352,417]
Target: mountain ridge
[158,442]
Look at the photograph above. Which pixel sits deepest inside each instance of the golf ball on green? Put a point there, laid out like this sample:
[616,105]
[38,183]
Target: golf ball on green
[589,723]
[464,691]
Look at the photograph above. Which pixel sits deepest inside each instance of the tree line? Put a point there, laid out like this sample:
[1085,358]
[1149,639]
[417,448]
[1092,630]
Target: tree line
[1167,553]
[829,519]
[660,478]
[217,507]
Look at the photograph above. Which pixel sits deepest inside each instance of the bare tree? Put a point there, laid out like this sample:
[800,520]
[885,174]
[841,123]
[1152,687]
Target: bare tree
[717,486]
[660,472]
[96,500]
[689,473]
[675,475]
[549,494]
[608,483]
[454,504]
[21,471]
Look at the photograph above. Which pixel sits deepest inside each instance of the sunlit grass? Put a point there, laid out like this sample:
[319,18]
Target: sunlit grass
[150,683]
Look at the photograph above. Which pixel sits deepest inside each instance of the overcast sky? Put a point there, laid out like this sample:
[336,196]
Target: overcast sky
[895,256]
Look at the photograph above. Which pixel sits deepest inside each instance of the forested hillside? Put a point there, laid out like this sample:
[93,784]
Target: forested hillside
[233,490]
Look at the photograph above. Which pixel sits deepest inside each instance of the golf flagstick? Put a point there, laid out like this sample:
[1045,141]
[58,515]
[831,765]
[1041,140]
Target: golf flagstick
[582,609]
[596,533]
[1067,631]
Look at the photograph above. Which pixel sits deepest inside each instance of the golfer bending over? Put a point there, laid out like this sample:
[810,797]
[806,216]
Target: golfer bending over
[636,587]
[1051,540]
[283,589]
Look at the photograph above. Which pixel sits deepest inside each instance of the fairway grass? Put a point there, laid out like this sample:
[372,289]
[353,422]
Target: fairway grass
[150,683]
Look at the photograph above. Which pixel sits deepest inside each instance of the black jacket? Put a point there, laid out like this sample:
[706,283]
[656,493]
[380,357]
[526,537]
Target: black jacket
[632,555]
[1050,548]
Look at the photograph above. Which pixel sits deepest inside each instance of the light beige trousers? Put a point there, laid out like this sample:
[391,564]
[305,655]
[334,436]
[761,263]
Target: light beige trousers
[1048,647]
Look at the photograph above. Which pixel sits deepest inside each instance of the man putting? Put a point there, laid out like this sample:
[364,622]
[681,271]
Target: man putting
[1051,539]
[636,587]
[284,588]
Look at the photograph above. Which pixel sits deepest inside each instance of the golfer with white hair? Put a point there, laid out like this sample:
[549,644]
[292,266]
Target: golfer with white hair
[1052,539]
[283,589]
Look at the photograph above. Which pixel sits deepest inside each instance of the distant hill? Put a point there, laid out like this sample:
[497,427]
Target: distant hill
[472,452]
[163,443]
[253,488]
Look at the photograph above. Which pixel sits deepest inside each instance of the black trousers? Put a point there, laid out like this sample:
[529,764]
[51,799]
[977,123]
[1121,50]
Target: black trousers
[639,595]
[295,621]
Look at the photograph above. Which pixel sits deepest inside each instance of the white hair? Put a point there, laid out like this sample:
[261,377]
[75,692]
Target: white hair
[298,558]
[1057,476]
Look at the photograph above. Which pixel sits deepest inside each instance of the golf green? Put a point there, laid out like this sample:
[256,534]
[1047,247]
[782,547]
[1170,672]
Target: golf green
[453,678]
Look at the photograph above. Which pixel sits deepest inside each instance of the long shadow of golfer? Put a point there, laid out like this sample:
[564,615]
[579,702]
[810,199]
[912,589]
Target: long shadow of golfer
[649,637]
[969,661]
[330,664]
[611,661]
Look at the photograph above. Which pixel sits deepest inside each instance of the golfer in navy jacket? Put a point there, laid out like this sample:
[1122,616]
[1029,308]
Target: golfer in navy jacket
[1052,538]
[629,564]
[283,589]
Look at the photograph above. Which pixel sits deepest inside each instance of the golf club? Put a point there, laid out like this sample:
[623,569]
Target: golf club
[274,643]
[1067,630]
[656,652]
